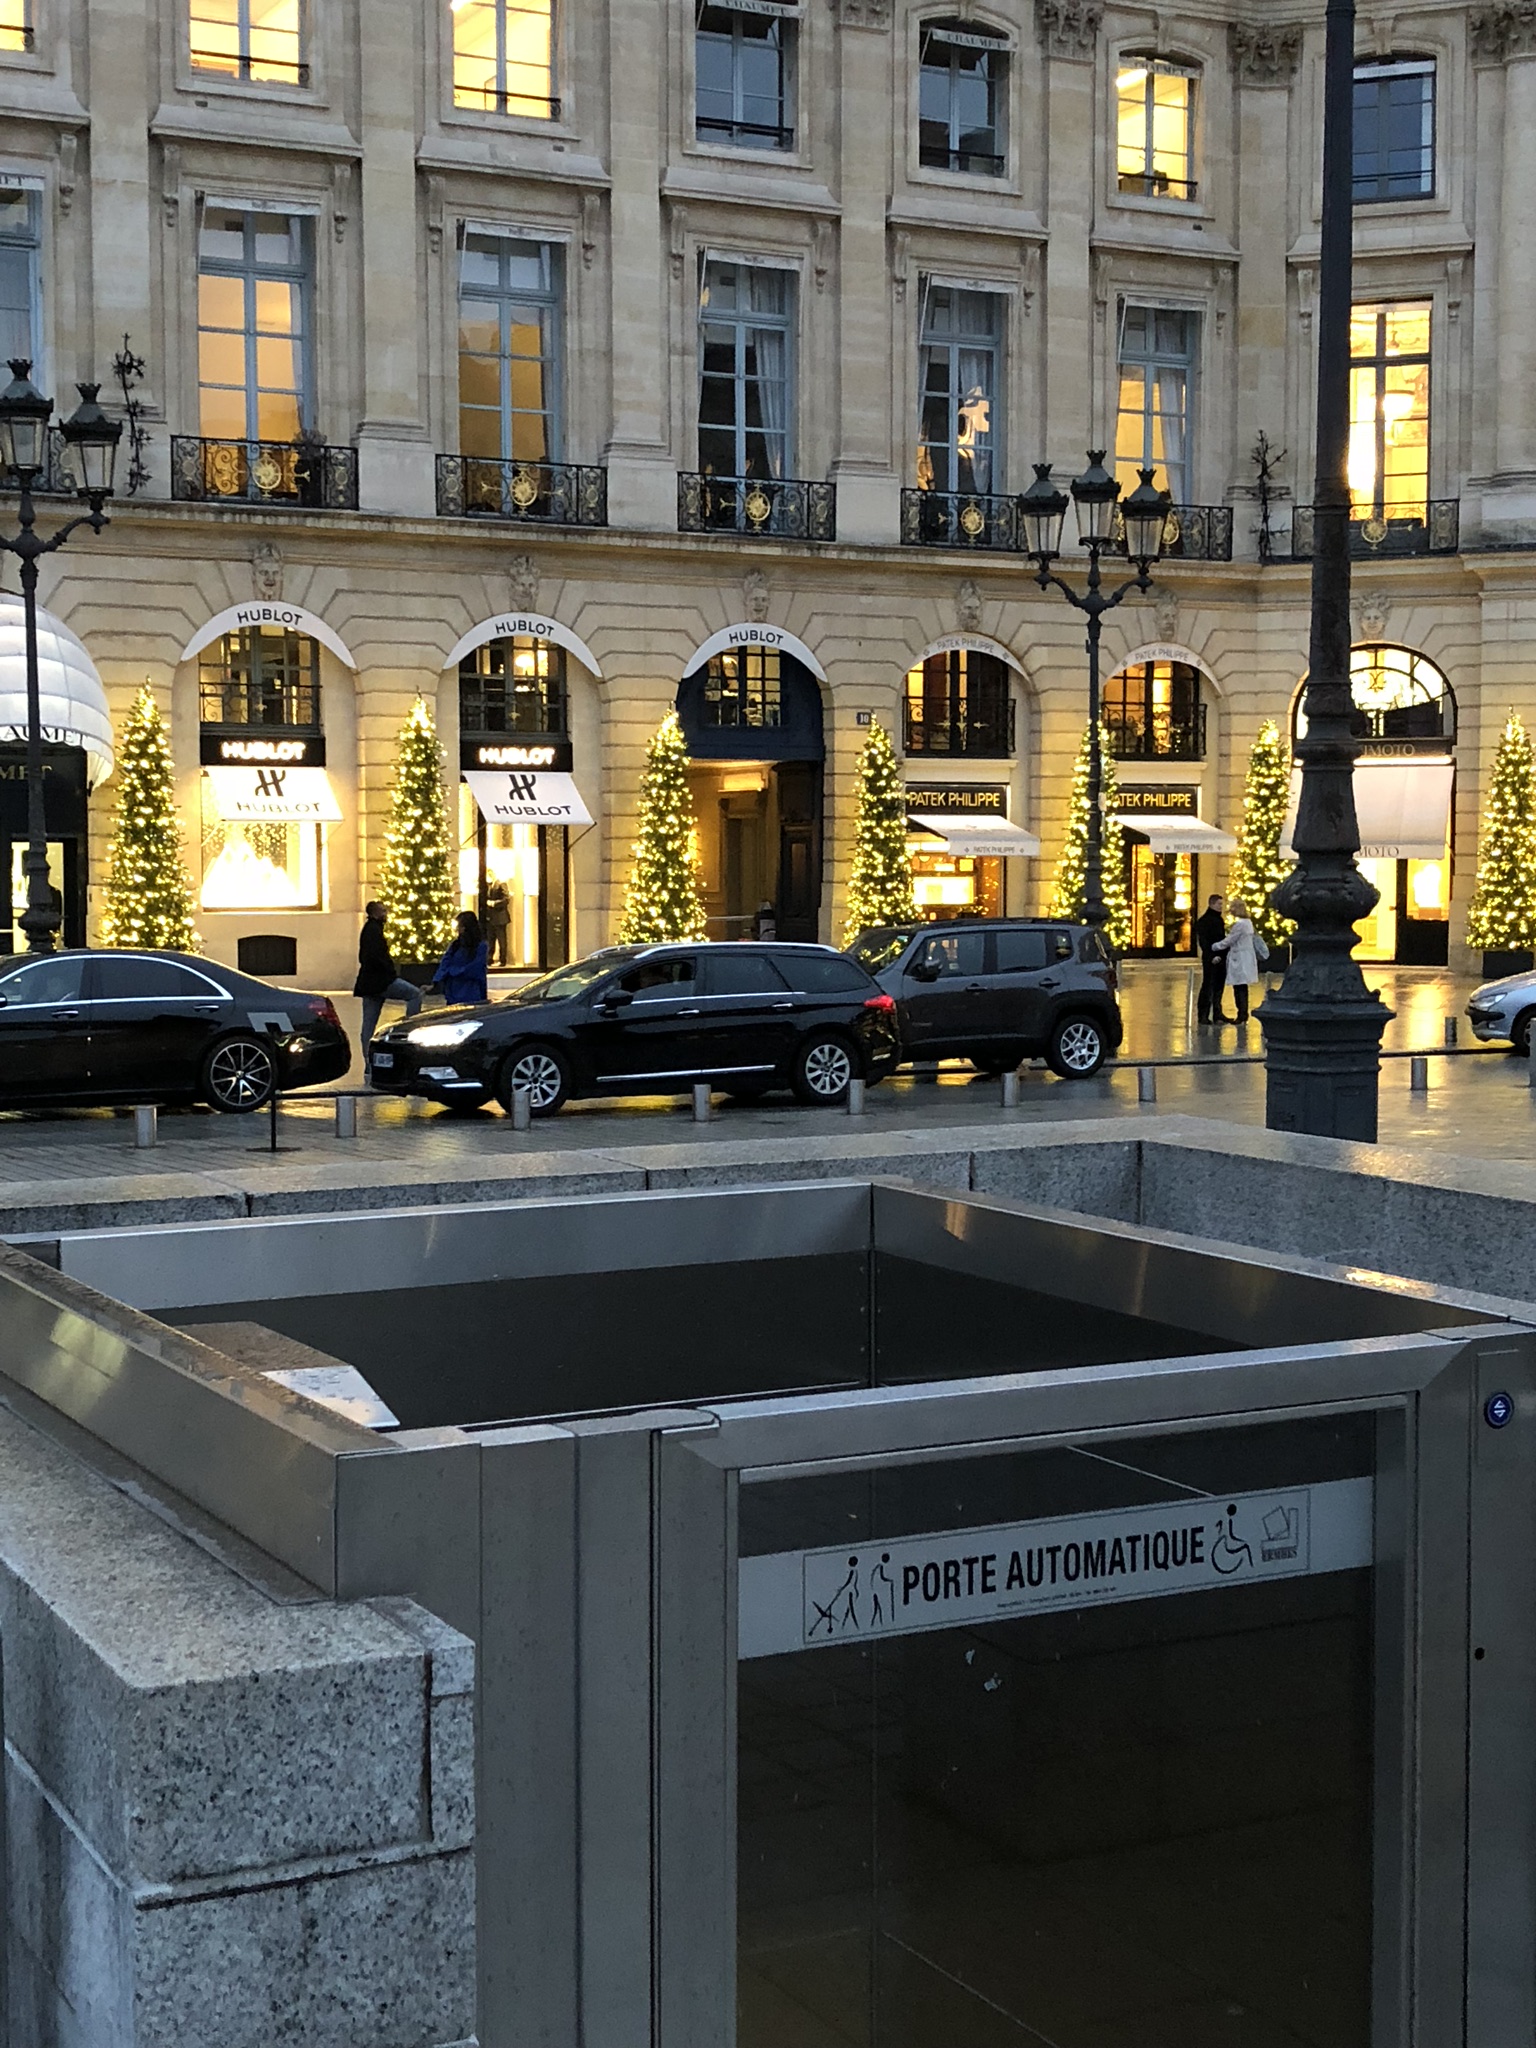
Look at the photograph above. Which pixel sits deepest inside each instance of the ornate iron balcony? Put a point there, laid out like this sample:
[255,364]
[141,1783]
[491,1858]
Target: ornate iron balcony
[783,508]
[1419,529]
[307,474]
[973,733]
[959,519]
[541,493]
[1173,739]
[1191,533]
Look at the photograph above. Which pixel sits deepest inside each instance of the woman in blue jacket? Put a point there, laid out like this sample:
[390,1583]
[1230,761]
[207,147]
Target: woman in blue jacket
[461,971]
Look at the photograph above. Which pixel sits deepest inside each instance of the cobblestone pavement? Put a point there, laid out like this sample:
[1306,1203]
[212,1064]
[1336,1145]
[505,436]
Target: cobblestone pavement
[1478,1106]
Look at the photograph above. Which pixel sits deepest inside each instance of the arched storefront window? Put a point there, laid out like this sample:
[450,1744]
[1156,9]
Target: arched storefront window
[515,685]
[959,702]
[1153,712]
[265,797]
[516,875]
[1398,695]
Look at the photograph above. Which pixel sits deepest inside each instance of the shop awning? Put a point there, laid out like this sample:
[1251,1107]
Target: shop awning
[1403,809]
[527,797]
[1170,832]
[271,795]
[72,700]
[976,838]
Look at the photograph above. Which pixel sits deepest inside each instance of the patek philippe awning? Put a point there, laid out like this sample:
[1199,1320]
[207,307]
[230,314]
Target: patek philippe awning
[976,838]
[527,797]
[1169,832]
[274,795]
[1403,808]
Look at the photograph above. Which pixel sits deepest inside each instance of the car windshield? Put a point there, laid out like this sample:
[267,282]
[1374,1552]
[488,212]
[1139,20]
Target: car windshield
[877,949]
[568,981]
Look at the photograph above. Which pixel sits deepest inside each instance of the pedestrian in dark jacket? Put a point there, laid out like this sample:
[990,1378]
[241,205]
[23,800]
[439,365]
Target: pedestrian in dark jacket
[379,981]
[461,971]
[1209,932]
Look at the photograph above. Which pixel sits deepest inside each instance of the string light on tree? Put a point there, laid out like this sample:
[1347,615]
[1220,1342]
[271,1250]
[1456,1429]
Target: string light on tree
[150,893]
[880,884]
[417,879]
[1259,867]
[1071,888]
[1503,914]
[662,900]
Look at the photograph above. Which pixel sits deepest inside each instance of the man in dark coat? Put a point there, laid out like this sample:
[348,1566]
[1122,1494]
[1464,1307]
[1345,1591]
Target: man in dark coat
[379,981]
[1210,930]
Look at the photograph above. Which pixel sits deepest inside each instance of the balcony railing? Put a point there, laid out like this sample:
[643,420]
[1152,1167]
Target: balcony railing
[1421,529]
[959,519]
[1174,739]
[1191,533]
[976,736]
[540,493]
[309,475]
[783,508]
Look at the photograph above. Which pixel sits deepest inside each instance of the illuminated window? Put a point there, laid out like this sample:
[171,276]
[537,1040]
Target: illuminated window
[1389,411]
[962,91]
[1153,712]
[959,393]
[509,309]
[514,685]
[1155,128]
[262,676]
[959,702]
[254,40]
[742,71]
[504,57]
[746,329]
[16,31]
[1395,130]
[253,294]
[1157,373]
[742,688]
[1398,695]
[267,678]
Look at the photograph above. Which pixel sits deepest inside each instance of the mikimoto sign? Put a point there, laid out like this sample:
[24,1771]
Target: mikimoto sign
[907,1585]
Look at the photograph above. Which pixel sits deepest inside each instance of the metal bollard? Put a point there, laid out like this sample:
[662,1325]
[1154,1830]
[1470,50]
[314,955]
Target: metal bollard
[1531,1069]
[522,1110]
[856,1096]
[1450,1030]
[346,1116]
[1192,1005]
[1011,1088]
[146,1126]
[1146,1084]
[703,1107]
[1418,1075]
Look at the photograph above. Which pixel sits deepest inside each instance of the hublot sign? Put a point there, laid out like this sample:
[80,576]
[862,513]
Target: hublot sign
[262,750]
[510,753]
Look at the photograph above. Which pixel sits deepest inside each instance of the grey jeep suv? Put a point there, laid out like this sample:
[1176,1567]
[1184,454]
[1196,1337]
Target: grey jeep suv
[997,991]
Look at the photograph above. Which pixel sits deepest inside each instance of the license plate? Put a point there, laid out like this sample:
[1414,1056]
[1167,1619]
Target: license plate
[383,1059]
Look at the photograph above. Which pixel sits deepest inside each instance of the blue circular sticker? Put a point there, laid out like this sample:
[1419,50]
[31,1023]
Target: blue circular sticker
[1497,1410]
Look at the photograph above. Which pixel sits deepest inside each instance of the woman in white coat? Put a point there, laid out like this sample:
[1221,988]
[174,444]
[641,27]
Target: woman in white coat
[1244,950]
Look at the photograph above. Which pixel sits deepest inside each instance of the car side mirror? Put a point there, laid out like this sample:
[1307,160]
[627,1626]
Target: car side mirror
[617,998]
[923,970]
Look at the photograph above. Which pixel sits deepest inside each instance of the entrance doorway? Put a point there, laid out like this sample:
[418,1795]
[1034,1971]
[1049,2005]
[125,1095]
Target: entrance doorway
[1411,922]
[64,799]
[1161,888]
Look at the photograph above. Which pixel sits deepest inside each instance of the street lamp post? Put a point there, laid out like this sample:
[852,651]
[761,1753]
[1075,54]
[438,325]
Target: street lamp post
[90,447]
[1323,1028]
[1043,509]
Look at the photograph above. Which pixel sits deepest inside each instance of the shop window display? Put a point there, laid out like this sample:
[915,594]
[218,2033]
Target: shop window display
[1162,898]
[274,864]
[262,680]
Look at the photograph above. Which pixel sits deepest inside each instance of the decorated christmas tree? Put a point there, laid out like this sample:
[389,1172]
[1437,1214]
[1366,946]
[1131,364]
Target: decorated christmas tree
[150,894]
[1071,870]
[1259,866]
[880,884]
[1503,915]
[662,900]
[416,880]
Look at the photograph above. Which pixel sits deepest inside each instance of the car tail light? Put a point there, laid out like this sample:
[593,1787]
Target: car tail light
[880,1002]
[323,1010]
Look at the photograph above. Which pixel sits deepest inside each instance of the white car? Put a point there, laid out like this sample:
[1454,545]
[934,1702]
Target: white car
[1505,1009]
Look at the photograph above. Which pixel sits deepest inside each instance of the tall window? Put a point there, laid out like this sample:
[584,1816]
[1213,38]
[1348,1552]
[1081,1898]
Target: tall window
[20,324]
[1395,130]
[261,675]
[1155,124]
[742,688]
[1153,712]
[16,31]
[746,321]
[1389,411]
[959,702]
[960,385]
[509,313]
[254,40]
[1157,374]
[962,91]
[742,62]
[504,57]
[253,316]
[514,685]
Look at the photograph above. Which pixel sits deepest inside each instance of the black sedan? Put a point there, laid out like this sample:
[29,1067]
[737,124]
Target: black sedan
[653,1020]
[104,1027]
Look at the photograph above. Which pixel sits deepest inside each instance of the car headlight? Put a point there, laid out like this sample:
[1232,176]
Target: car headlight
[443,1034]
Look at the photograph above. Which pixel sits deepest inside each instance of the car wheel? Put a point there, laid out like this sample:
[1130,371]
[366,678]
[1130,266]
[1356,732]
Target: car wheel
[1520,1036]
[1077,1048]
[543,1072]
[240,1075]
[824,1066]
[1002,1060]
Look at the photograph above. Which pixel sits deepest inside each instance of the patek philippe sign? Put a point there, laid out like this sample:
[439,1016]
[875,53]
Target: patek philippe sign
[958,799]
[259,750]
[491,754]
[1171,800]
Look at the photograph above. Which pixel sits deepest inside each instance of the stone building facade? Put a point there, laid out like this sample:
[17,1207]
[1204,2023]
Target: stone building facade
[659,352]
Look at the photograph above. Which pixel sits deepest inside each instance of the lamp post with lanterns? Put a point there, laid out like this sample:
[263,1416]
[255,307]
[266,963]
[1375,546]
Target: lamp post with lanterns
[90,453]
[1043,510]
